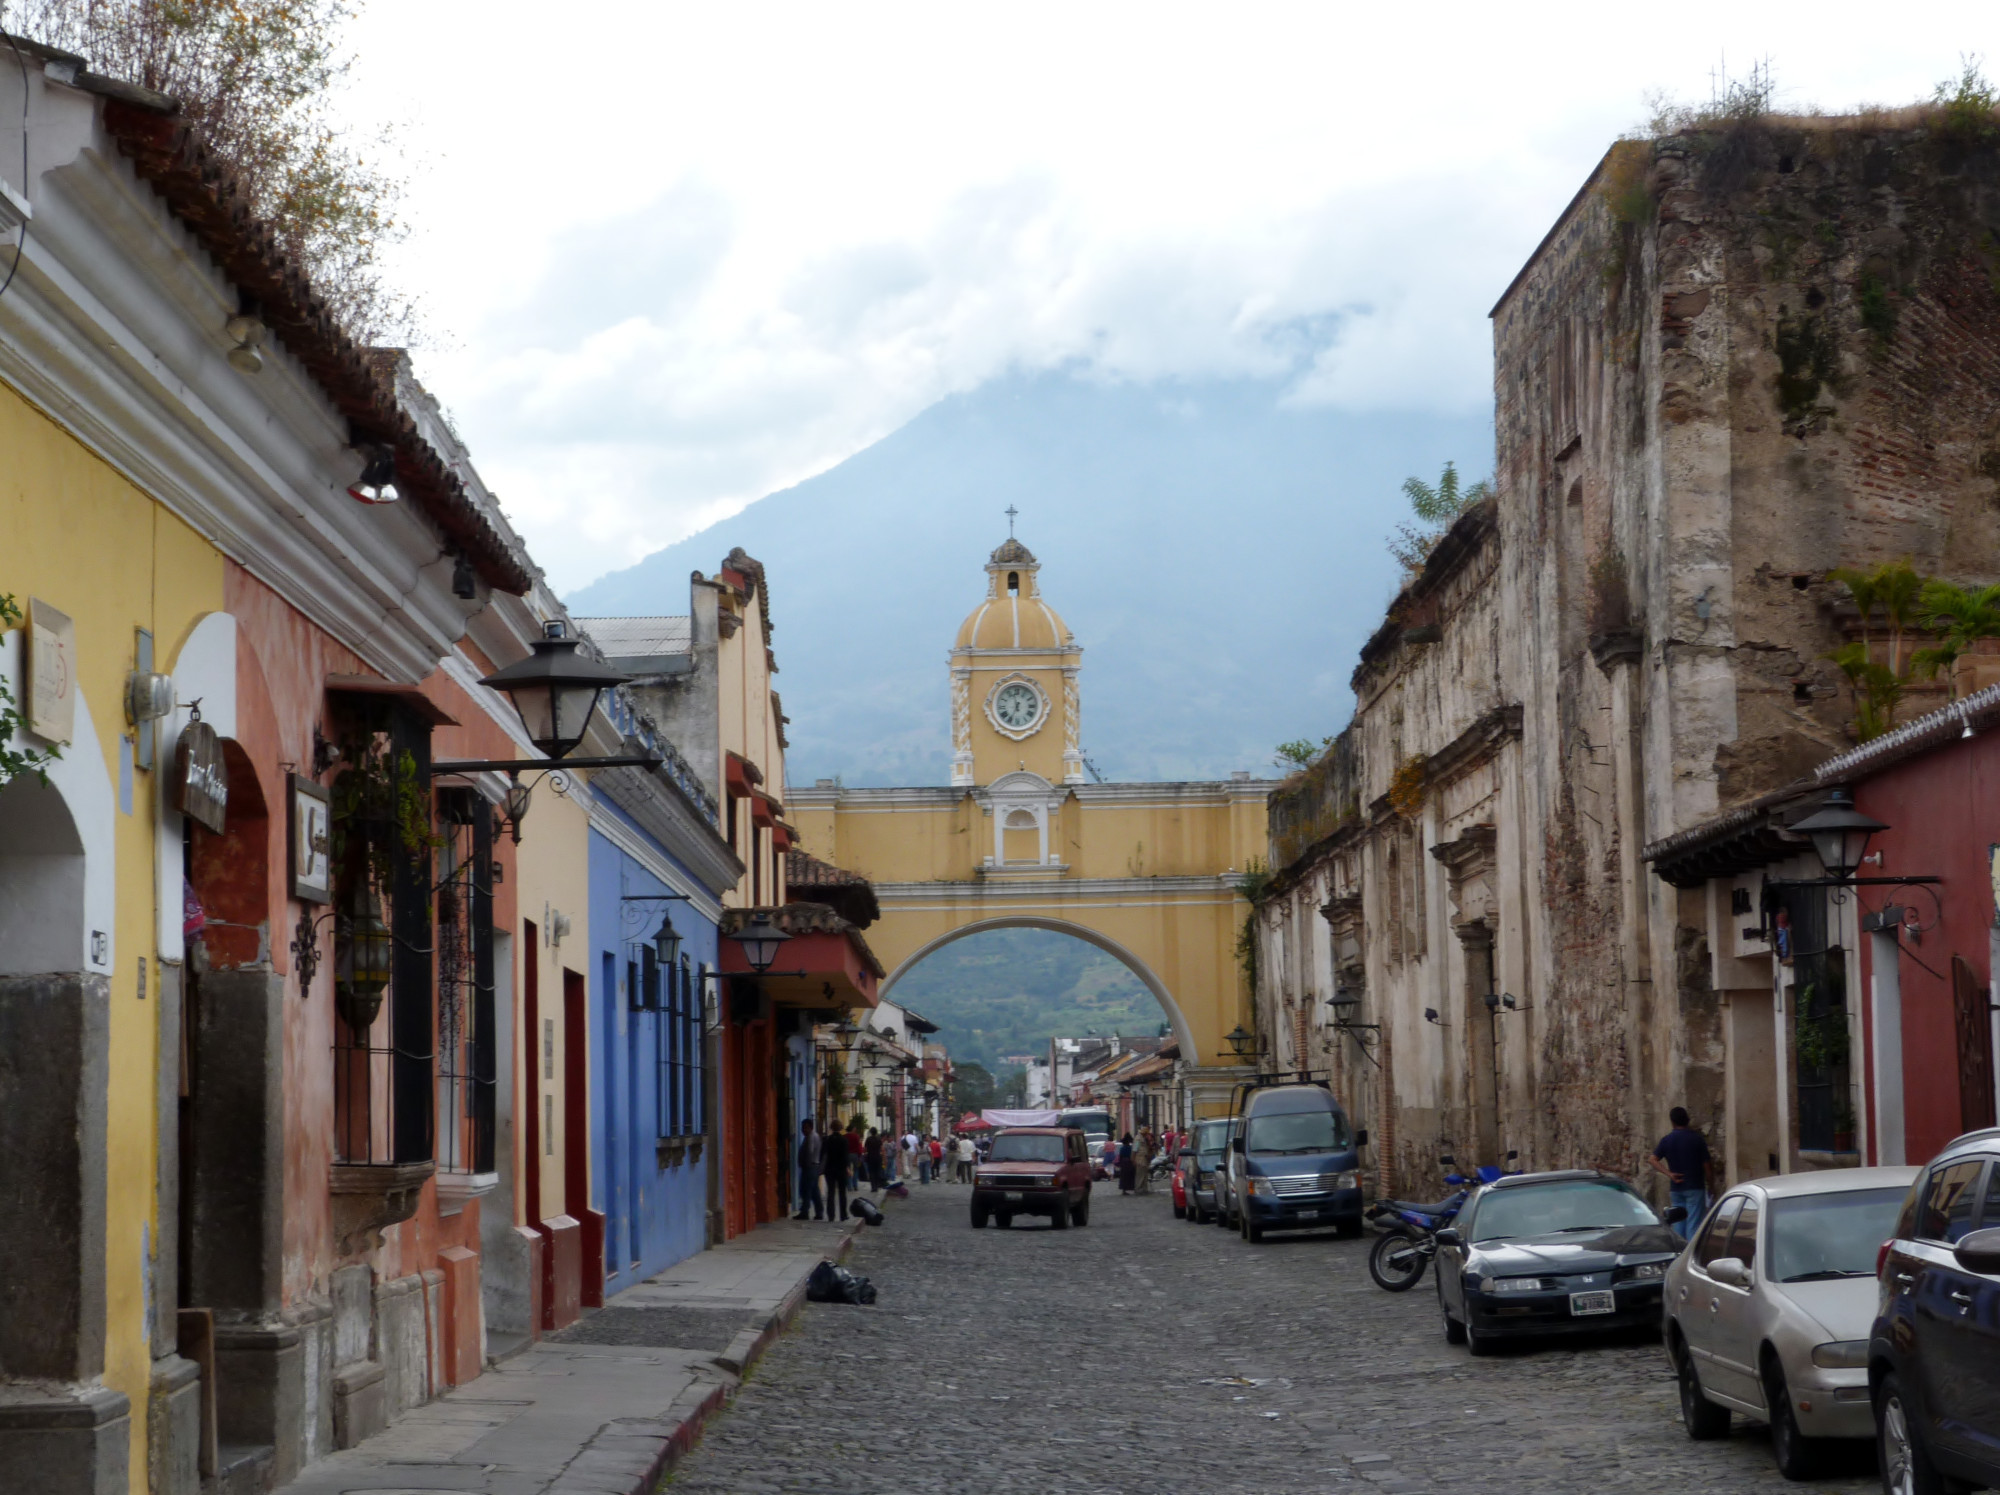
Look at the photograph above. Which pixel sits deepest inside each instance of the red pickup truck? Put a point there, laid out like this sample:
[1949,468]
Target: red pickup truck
[1034,1170]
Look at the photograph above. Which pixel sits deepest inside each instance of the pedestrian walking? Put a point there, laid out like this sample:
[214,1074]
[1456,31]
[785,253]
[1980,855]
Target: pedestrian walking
[857,1155]
[966,1153]
[937,1159]
[871,1150]
[924,1159]
[809,1171]
[1109,1160]
[835,1160]
[1683,1156]
[1142,1163]
[1125,1164]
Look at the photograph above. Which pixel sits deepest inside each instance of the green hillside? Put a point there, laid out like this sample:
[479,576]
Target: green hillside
[1009,991]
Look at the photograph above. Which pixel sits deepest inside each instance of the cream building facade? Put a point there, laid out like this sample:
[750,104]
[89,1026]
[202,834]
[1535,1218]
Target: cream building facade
[1022,838]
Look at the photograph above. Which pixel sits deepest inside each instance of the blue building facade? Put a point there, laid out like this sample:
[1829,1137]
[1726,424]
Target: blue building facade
[657,870]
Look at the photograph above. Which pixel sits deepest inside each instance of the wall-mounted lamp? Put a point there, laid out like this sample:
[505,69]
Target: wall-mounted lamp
[377,483]
[1241,1044]
[148,696]
[247,331]
[1431,1016]
[1840,834]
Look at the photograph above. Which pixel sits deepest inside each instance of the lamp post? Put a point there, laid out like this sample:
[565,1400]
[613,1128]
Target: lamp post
[1840,834]
[1241,1043]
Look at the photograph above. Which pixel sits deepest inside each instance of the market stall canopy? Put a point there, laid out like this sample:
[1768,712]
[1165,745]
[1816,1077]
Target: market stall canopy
[994,1117]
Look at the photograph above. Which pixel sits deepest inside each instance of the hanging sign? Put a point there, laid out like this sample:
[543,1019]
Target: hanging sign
[51,672]
[201,778]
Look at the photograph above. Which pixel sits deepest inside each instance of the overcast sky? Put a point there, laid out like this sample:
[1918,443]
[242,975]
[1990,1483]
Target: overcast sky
[679,255]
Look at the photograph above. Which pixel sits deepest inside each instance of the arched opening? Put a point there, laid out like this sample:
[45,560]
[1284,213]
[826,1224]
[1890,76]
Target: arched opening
[1002,989]
[1021,836]
[1013,583]
[54,1017]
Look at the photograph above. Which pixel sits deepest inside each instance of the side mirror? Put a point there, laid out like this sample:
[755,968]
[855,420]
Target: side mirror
[1236,1144]
[1675,1214]
[1361,1137]
[1980,1251]
[1729,1271]
[1448,1236]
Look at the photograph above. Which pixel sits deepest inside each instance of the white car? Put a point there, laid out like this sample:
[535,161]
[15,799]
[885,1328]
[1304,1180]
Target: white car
[1769,1307]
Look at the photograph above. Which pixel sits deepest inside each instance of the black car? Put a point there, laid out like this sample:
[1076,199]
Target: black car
[1552,1253]
[1934,1352]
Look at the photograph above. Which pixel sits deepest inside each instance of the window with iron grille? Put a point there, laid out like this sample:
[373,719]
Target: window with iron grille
[465,1020]
[677,1049]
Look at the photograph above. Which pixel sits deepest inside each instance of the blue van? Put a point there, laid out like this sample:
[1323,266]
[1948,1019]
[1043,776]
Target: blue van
[1294,1164]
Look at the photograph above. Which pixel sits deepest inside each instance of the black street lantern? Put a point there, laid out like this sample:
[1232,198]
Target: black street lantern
[760,939]
[1840,834]
[555,689]
[1240,1042]
[666,941]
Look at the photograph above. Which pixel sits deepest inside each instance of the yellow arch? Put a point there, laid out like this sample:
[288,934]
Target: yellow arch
[1182,1032]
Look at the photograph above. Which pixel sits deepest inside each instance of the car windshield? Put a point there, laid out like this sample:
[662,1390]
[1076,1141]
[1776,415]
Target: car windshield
[1298,1131]
[1091,1123]
[1819,1237]
[1026,1147]
[1569,1204]
[1211,1139]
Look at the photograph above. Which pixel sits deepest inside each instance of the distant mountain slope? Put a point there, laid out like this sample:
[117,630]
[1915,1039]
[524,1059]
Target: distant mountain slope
[1219,556]
[1008,991]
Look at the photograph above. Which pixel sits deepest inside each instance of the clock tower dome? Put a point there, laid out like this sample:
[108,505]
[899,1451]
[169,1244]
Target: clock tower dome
[1014,681]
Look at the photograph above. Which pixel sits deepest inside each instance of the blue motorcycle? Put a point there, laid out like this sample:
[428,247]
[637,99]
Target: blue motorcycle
[1409,1231]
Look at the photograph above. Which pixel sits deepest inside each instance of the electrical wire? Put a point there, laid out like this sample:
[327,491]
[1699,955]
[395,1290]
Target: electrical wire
[21,250]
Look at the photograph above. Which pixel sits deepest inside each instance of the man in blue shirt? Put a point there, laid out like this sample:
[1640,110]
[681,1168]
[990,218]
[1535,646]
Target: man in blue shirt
[1684,1157]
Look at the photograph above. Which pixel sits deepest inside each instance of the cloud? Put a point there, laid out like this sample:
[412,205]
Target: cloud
[802,228]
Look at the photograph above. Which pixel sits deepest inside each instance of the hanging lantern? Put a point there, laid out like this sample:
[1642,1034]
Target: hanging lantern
[362,954]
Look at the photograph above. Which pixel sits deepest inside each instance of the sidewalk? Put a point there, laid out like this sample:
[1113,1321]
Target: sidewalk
[607,1405]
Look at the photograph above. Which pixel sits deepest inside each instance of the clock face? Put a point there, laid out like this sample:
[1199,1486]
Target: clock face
[1017,705]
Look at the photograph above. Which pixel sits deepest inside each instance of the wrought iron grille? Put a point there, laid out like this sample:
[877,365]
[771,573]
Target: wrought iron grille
[384,1048]
[465,1007]
[677,1041]
[1820,1037]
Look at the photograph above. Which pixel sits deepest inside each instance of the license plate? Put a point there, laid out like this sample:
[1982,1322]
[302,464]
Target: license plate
[1308,1214]
[1017,1198]
[1581,1304]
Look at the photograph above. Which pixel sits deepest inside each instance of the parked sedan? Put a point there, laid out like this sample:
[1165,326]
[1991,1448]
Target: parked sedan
[1201,1163]
[1934,1350]
[1552,1253]
[1768,1313]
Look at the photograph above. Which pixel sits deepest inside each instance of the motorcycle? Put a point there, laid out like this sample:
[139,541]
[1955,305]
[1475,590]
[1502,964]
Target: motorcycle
[1409,1231]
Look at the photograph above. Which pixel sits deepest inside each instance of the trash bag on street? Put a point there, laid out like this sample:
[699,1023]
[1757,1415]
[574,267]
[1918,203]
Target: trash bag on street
[865,1208]
[897,1191]
[831,1284]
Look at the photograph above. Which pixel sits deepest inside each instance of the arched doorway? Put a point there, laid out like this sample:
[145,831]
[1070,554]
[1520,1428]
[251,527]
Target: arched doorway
[54,1075]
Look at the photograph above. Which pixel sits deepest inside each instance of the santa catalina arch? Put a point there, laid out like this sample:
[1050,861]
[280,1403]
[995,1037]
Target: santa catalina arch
[1021,838]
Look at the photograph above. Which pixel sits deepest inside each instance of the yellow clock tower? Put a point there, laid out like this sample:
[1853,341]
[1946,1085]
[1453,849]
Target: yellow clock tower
[1014,669]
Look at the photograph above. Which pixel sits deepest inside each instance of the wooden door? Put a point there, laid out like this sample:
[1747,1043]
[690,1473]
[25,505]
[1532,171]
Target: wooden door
[1972,1007]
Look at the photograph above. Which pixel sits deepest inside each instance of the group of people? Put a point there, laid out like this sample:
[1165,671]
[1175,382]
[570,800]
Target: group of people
[1131,1162]
[832,1164]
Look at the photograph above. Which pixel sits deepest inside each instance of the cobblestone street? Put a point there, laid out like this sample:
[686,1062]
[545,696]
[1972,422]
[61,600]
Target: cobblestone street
[1146,1354]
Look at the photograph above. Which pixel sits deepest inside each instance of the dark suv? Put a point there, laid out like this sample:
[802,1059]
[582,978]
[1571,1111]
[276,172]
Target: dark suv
[1034,1170]
[1934,1353]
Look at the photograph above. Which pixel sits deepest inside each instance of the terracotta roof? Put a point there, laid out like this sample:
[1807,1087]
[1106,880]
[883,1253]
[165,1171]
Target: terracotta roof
[847,893]
[211,199]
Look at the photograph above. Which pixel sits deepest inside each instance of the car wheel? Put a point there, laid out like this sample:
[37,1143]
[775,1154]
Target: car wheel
[1060,1219]
[1702,1418]
[1906,1464]
[1004,1220]
[1395,1262]
[1348,1230]
[1797,1455]
[1081,1214]
[1180,1212]
[978,1218]
[1476,1343]
[1454,1331]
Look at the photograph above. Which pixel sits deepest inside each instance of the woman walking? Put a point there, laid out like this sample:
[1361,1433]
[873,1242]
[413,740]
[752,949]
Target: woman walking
[1142,1162]
[1125,1164]
[872,1151]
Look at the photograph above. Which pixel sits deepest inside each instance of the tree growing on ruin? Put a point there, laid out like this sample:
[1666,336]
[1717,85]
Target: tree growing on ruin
[1435,507]
[257,79]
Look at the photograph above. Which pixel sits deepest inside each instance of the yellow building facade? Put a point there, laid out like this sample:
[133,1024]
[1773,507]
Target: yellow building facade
[80,976]
[1021,838]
